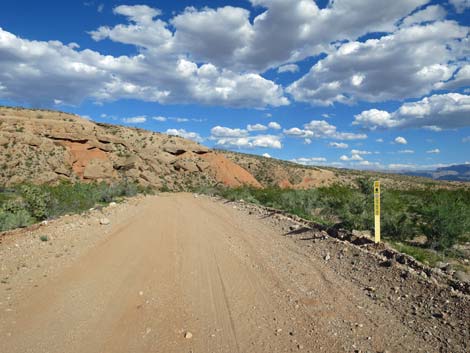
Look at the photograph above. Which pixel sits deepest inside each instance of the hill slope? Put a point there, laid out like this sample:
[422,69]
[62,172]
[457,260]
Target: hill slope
[284,174]
[47,146]
[43,146]
[459,172]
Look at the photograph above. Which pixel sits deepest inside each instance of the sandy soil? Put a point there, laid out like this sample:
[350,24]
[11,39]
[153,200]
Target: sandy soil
[179,273]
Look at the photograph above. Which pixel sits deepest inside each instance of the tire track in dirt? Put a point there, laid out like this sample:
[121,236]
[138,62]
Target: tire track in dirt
[191,264]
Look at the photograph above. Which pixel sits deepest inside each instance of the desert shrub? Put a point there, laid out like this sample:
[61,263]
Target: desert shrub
[36,200]
[300,203]
[244,193]
[349,205]
[79,197]
[206,189]
[399,219]
[13,213]
[72,198]
[25,204]
[443,216]
[19,218]
[165,188]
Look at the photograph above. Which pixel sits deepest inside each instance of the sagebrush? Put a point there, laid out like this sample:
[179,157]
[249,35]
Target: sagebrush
[443,216]
[23,205]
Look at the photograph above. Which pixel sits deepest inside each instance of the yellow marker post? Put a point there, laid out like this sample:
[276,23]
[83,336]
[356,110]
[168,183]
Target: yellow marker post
[377,210]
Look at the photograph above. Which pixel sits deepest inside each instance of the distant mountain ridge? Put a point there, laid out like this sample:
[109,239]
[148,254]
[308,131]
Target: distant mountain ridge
[458,172]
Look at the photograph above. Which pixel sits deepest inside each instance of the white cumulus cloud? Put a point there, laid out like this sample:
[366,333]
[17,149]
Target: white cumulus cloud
[40,72]
[411,62]
[274,125]
[185,134]
[218,56]
[460,5]
[256,127]
[296,132]
[250,142]
[401,140]
[353,157]
[222,131]
[430,13]
[288,68]
[135,120]
[437,112]
[434,151]
[322,129]
[338,145]
[360,152]
[309,160]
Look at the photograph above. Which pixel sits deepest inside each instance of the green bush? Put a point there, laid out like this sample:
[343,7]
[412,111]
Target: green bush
[36,199]
[17,219]
[399,219]
[443,216]
[25,204]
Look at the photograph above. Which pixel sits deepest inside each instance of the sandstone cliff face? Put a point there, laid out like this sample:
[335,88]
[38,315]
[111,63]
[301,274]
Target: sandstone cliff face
[47,147]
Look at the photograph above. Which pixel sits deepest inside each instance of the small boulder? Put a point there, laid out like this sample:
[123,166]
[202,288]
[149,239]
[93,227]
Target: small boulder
[3,141]
[63,170]
[104,221]
[419,240]
[128,163]
[200,149]
[441,265]
[186,165]
[462,276]
[174,148]
[362,233]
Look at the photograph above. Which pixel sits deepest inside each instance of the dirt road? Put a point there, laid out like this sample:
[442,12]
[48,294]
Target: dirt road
[187,274]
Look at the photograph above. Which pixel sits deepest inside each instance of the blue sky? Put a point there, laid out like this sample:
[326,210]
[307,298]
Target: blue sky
[368,84]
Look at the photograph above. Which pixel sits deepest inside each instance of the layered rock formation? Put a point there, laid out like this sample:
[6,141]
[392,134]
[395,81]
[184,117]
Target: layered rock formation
[47,147]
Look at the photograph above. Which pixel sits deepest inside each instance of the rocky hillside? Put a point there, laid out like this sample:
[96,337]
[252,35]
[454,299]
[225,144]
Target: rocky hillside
[274,172]
[45,147]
